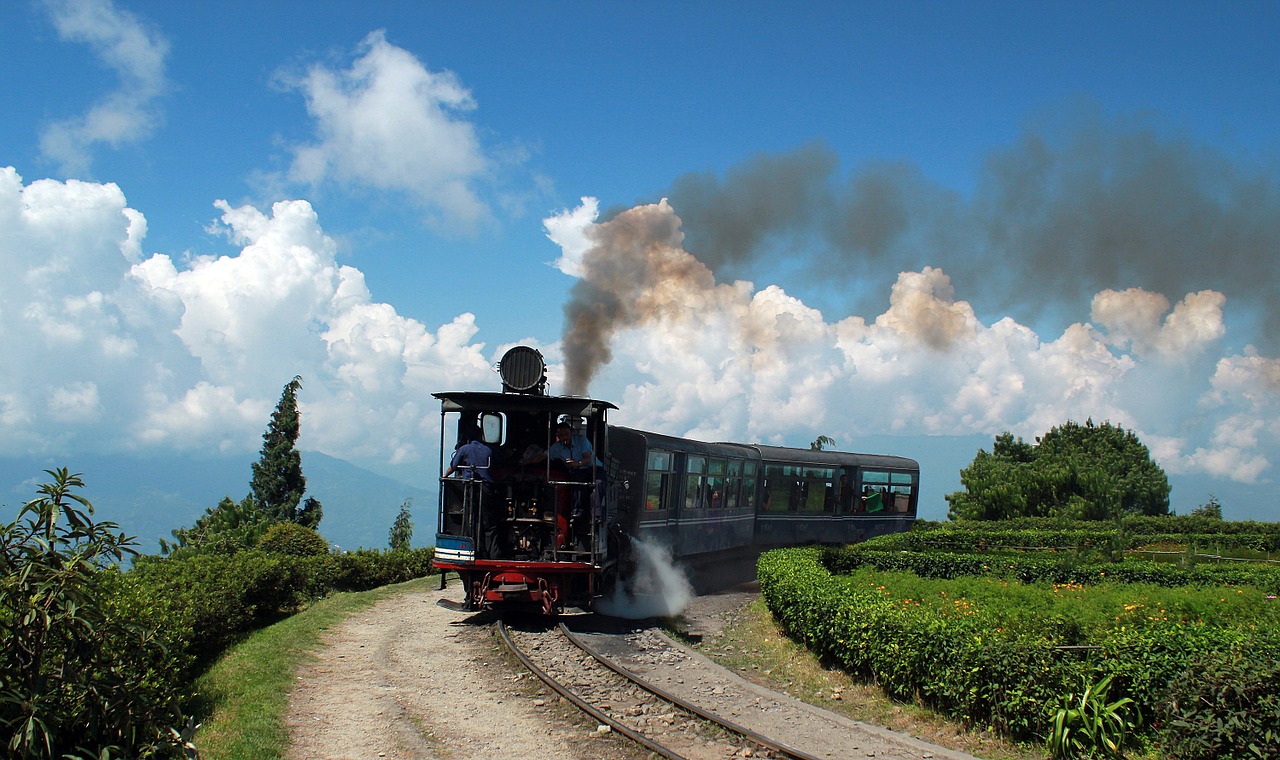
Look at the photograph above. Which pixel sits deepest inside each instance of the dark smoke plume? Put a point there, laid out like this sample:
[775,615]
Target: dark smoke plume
[635,261]
[1068,210]
[1054,218]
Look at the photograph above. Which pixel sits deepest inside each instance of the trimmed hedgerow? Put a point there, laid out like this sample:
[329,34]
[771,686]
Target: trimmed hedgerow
[991,650]
[887,553]
[212,599]
[1131,533]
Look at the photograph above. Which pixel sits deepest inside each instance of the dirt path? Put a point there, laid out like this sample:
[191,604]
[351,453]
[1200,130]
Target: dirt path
[408,679]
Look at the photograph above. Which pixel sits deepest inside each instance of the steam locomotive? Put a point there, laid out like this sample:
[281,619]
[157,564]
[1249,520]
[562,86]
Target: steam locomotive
[547,511]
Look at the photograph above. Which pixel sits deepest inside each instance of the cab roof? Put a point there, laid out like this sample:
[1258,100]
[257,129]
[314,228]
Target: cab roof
[479,401]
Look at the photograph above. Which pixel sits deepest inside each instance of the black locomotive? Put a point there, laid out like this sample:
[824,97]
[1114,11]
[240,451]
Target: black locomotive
[542,501]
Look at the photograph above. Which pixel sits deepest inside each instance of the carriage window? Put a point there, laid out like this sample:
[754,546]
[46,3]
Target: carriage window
[659,479]
[799,488]
[778,482]
[846,491]
[715,483]
[749,485]
[886,492]
[733,484]
[818,489]
[695,469]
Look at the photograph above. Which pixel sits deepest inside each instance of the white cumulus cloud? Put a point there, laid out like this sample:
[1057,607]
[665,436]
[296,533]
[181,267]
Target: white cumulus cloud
[106,352]
[389,123]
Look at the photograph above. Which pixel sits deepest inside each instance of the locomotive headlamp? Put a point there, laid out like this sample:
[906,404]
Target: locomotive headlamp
[523,371]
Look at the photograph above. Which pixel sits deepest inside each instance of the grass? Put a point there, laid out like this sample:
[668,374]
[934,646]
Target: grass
[755,647]
[244,696]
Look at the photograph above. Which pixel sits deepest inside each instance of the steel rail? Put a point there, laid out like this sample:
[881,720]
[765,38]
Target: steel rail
[582,704]
[663,694]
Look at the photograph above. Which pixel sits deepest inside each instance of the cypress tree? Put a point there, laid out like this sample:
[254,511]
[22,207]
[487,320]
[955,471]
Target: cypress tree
[402,529]
[278,482]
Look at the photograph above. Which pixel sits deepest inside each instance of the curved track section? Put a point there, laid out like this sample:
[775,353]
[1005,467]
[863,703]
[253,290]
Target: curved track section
[647,714]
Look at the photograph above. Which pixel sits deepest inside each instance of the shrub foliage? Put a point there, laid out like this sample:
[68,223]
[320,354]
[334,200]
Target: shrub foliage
[1186,659]
[86,668]
[1087,471]
[98,661]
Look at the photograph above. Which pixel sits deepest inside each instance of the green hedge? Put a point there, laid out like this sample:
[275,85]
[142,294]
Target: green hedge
[959,666]
[1129,533]
[207,601]
[889,553]
[991,651]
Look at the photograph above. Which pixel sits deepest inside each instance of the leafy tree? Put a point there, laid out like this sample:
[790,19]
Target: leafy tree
[84,674]
[225,529]
[822,442]
[401,529]
[1075,471]
[310,513]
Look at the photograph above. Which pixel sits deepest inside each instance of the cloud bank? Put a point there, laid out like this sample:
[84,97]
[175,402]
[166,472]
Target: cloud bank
[387,122]
[729,361]
[112,350]
[108,350]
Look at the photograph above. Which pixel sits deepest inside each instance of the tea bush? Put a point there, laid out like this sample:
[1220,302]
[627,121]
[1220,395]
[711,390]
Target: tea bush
[293,540]
[1133,531]
[885,553]
[213,599]
[991,650]
[1225,704]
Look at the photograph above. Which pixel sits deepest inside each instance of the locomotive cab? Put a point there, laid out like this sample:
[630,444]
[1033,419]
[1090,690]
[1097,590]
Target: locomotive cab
[524,496]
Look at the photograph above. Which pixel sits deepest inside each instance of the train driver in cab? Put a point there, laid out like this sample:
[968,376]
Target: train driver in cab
[473,458]
[575,451]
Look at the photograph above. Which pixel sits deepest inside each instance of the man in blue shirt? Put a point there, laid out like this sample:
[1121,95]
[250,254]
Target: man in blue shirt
[473,458]
[573,449]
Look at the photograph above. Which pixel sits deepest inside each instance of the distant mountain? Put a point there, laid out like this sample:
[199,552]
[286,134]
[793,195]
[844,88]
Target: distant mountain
[359,505]
[150,497]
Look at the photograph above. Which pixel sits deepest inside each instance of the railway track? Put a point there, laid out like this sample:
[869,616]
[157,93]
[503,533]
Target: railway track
[649,715]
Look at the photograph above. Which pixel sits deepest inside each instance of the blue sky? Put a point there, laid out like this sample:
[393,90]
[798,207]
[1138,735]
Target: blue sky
[907,219]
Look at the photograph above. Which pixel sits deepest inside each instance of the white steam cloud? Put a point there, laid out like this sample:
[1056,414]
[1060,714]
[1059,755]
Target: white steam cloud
[657,588]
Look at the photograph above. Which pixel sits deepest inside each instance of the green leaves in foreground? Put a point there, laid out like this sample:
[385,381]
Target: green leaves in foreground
[84,675]
[1087,725]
